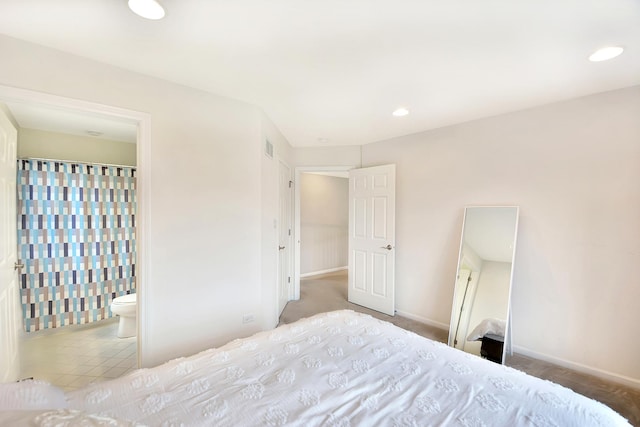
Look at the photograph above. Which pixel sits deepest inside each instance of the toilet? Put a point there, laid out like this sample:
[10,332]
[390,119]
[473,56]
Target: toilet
[125,307]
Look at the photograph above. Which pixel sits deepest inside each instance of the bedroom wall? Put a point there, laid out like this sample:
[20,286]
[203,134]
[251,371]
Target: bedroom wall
[324,223]
[203,196]
[59,146]
[572,167]
[327,156]
[7,112]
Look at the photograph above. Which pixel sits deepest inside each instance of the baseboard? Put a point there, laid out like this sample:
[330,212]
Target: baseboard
[330,270]
[610,376]
[424,320]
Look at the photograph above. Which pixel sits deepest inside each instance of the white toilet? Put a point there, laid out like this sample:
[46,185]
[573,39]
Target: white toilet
[125,307]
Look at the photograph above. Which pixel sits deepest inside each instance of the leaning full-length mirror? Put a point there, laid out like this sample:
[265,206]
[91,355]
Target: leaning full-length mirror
[480,313]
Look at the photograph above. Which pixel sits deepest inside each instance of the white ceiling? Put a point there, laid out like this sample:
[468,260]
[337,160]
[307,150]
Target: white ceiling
[59,120]
[334,70]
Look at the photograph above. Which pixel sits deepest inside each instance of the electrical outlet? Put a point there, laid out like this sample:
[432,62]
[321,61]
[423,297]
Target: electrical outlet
[248,318]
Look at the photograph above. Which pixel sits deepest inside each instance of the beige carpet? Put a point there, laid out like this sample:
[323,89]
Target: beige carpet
[329,292]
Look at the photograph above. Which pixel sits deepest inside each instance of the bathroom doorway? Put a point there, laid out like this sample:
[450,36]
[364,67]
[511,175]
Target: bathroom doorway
[60,342]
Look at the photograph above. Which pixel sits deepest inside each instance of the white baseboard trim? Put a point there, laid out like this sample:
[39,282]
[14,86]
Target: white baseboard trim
[330,270]
[610,376]
[600,373]
[424,320]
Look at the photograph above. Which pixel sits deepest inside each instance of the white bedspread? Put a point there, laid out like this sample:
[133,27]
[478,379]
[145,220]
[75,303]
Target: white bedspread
[339,369]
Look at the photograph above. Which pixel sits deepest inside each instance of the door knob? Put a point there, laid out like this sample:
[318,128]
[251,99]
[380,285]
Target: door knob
[388,247]
[280,248]
[18,265]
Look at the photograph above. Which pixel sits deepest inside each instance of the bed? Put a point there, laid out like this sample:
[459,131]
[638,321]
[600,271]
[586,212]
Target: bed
[339,368]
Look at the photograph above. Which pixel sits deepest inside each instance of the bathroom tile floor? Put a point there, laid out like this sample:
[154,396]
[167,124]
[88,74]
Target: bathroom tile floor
[76,355]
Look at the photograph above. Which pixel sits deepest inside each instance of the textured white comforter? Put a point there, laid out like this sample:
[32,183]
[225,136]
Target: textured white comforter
[339,369]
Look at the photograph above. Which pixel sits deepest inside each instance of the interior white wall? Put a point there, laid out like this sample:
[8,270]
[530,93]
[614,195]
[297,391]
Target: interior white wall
[60,146]
[9,115]
[324,223]
[327,156]
[204,197]
[572,167]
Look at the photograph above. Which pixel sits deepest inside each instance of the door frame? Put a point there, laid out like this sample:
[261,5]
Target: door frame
[296,215]
[143,168]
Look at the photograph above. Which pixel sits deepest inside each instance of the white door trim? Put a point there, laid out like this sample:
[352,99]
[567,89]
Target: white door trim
[143,167]
[296,222]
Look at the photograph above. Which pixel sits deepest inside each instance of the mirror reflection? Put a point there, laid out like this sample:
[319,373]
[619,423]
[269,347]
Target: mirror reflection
[480,313]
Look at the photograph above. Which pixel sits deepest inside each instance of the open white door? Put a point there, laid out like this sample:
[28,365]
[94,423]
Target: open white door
[9,293]
[284,237]
[372,206]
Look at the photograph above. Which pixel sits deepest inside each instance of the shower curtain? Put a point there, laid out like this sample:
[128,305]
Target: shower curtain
[76,238]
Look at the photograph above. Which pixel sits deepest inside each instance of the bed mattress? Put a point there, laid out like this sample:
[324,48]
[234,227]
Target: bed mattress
[338,369]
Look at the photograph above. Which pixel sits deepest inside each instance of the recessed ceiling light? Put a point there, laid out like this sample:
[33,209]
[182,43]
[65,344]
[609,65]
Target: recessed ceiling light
[400,112]
[94,132]
[605,53]
[149,9]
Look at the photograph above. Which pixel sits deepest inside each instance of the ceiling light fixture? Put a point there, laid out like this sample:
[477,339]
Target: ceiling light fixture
[149,9]
[94,132]
[605,53]
[400,112]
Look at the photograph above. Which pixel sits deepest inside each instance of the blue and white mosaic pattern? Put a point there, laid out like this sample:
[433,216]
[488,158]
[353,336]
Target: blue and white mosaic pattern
[76,238]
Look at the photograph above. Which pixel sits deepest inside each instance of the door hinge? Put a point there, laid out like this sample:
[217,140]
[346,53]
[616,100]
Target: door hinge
[288,279]
[290,184]
[289,232]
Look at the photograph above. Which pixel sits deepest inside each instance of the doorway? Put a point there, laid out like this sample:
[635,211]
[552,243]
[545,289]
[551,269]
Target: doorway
[141,122]
[321,243]
[370,237]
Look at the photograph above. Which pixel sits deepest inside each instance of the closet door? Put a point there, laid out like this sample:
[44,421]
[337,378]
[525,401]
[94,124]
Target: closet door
[284,237]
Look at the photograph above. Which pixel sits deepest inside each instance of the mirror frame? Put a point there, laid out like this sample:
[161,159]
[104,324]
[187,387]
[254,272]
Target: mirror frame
[507,332]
